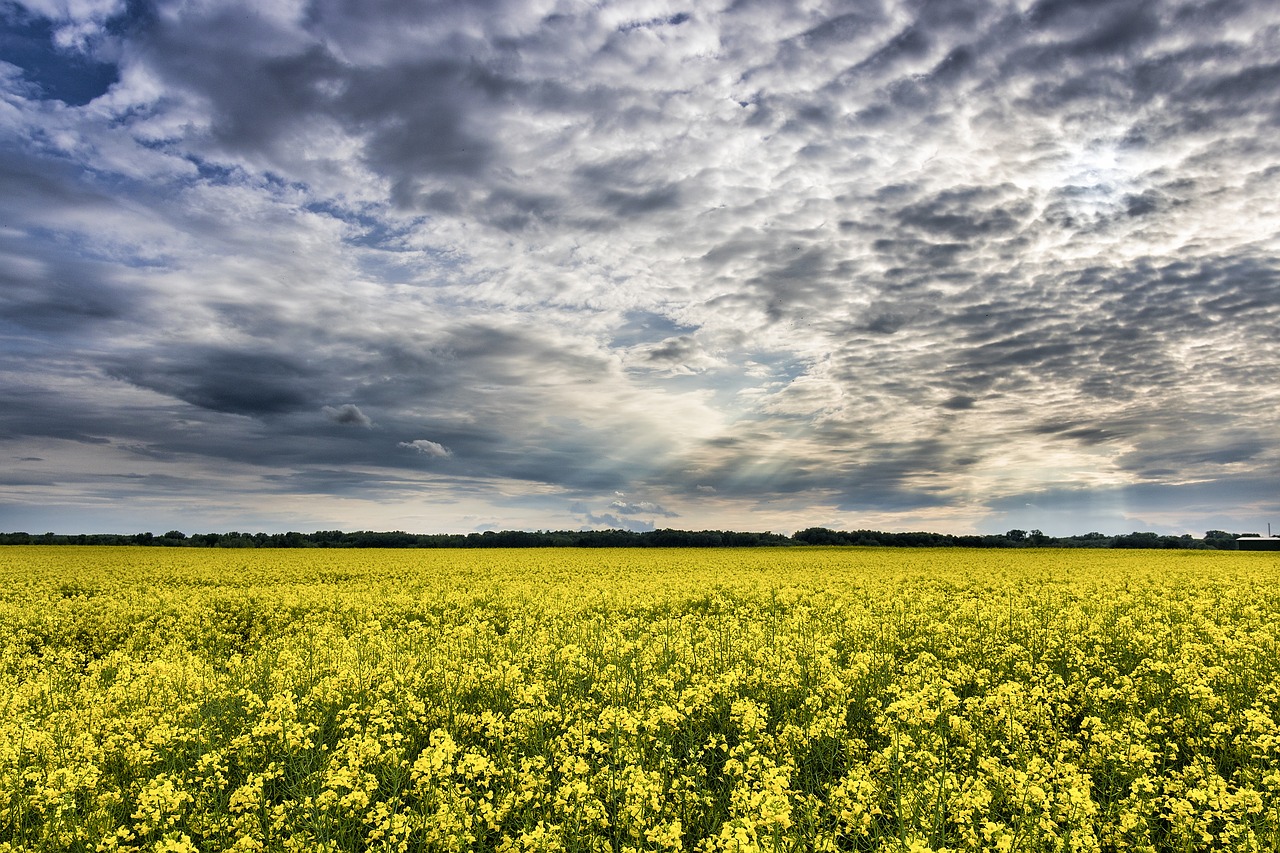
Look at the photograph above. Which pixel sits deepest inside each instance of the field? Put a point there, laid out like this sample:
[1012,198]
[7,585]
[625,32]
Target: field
[158,699]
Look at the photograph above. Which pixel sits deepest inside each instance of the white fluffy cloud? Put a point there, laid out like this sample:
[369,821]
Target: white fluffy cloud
[428,448]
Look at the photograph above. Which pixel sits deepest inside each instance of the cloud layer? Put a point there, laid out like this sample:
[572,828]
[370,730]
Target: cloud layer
[949,265]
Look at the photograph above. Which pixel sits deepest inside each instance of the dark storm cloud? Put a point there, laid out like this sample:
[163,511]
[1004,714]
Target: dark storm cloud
[45,182]
[26,480]
[62,296]
[348,414]
[1095,29]
[264,88]
[674,350]
[966,214]
[423,136]
[38,412]
[1133,321]
[629,203]
[340,481]
[959,402]
[1121,57]
[229,381]
[52,292]
[497,378]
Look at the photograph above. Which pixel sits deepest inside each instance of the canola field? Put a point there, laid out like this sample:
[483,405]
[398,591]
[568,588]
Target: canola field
[797,699]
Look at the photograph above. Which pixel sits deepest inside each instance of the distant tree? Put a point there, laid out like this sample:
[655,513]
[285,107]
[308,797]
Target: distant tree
[1147,539]
[1220,540]
[235,539]
[819,536]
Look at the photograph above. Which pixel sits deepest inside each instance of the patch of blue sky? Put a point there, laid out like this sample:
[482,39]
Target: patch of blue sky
[390,267]
[207,171]
[734,381]
[780,366]
[215,173]
[368,230]
[382,254]
[753,375]
[70,76]
[210,172]
[647,327]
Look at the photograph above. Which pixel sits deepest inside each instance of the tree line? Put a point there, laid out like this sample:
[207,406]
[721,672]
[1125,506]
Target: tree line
[663,538]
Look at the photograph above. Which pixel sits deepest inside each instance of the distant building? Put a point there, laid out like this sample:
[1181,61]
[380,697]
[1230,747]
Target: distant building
[1258,543]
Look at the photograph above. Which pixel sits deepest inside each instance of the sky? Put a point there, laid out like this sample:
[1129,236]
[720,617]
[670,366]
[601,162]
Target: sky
[460,265]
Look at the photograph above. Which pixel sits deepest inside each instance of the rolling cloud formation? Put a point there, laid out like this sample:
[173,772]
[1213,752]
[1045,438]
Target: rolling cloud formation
[446,265]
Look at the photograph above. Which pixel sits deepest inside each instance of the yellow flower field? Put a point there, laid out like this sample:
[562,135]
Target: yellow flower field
[623,700]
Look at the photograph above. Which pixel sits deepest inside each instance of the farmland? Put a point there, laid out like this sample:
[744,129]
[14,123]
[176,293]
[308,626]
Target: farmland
[619,699]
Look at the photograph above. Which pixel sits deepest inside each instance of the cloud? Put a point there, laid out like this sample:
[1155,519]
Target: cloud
[680,355]
[224,380]
[348,414]
[641,508]
[613,522]
[903,260]
[427,448]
